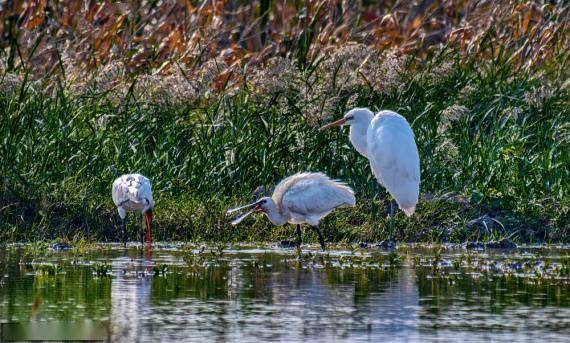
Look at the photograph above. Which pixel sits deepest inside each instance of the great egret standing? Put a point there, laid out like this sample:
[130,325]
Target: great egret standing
[302,198]
[387,141]
[133,193]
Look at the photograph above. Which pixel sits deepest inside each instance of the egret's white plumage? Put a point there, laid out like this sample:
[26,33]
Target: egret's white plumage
[394,158]
[387,141]
[133,193]
[302,198]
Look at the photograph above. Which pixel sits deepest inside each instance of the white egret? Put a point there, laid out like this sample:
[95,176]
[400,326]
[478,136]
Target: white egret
[387,141]
[133,193]
[302,198]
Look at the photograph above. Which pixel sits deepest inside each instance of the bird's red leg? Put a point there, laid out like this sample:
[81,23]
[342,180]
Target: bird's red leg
[148,217]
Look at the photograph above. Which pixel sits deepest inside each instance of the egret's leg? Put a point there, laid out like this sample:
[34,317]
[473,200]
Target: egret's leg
[321,239]
[298,234]
[391,238]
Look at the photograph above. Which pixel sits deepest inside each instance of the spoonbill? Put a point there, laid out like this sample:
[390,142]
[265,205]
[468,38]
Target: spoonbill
[133,193]
[387,141]
[301,198]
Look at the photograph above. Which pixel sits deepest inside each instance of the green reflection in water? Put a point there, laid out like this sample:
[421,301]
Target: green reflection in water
[354,295]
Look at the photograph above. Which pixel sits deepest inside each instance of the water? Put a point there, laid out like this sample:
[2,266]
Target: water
[271,294]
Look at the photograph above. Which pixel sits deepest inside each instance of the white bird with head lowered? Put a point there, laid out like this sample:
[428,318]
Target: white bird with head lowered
[133,193]
[299,199]
[387,141]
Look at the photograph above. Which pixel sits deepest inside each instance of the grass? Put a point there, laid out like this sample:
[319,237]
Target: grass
[58,167]
[492,133]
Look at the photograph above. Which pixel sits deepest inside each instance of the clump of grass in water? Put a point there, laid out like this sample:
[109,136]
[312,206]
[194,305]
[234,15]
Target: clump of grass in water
[47,269]
[80,246]
[416,261]
[565,266]
[102,269]
[394,259]
[219,251]
[160,270]
[436,260]
[195,260]
[458,263]
[528,270]
[35,249]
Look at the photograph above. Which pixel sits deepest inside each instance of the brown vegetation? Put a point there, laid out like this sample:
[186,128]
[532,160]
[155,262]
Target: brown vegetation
[163,36]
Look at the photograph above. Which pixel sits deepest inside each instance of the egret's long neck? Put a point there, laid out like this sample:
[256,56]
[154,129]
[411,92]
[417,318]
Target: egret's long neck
[274,214]
[358,136]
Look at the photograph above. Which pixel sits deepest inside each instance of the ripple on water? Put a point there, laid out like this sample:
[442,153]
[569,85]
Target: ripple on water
[268,294]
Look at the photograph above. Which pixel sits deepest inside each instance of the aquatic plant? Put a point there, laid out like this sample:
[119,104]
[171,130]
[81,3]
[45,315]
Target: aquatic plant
[36,249]
[102,269]
[436,260]
[416,261]
[195,260]
[219,250]
[528,269]
[80,246]
[48,269]
[394,259]
[564,269]
[160,270]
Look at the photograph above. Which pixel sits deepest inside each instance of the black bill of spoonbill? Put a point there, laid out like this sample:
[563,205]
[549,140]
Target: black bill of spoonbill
[299,199]
[133,193]
[387,141]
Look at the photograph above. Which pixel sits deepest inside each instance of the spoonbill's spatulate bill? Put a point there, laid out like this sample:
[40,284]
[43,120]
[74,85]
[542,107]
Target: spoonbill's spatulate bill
[387,141]
[301,198]
[133,193]
[242,217]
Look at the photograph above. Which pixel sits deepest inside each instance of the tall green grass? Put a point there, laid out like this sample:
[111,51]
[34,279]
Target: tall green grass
[506,156]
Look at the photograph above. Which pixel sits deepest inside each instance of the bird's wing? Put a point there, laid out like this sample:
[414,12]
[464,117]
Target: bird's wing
[316,197]
[119,191]
[134,188]
[143,189]
[394,159]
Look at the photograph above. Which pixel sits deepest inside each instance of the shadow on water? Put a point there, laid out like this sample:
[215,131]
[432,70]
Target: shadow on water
[273,294]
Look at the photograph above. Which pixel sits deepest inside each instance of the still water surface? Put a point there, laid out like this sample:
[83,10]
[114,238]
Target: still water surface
[271,294]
